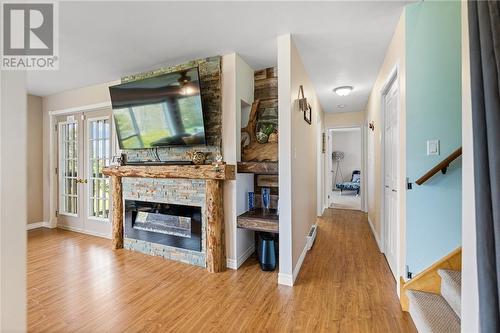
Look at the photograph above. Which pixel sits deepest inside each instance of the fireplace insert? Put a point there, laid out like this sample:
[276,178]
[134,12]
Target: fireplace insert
[167,224]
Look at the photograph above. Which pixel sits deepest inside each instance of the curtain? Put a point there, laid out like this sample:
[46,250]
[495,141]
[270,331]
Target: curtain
[484,38]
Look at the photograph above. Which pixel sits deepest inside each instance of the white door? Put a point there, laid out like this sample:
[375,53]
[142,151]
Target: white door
[85,147]
[391,136]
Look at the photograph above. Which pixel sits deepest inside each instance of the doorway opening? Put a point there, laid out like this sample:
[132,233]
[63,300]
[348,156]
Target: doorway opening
[345,166]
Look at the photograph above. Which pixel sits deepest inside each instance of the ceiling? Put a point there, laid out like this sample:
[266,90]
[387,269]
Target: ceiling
[341,43]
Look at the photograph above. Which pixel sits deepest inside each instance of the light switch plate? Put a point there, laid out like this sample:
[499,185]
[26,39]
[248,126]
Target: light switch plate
[432,147]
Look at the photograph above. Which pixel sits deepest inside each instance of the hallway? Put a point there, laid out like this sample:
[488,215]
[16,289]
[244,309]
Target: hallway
[77,283]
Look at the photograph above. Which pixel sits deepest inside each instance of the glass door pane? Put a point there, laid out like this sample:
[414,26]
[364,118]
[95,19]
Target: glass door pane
[68,168]
[99,156]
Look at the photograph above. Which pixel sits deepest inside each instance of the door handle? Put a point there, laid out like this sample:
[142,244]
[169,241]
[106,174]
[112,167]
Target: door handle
[386,186]
[393,190]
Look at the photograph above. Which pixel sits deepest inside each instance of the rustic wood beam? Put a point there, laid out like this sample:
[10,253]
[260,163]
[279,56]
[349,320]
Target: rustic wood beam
[216,256]
[206,171]
[117,233]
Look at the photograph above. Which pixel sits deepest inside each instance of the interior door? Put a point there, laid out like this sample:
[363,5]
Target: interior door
[391,133]
[69,171]
[85,148]
[98,153]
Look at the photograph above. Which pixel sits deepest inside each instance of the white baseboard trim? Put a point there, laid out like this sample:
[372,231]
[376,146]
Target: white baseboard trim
[231,264]
[296,270]
[235,264]
[375,235]
[37,225]
[65,227]
[289,279]
[245,256]
[285,279]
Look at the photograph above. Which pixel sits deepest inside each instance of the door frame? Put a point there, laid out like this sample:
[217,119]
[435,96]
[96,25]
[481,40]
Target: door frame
[364,176]
[53,162]
[392,78]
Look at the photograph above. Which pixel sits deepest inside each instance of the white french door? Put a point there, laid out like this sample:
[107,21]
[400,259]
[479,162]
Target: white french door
[390,176]
[85,147]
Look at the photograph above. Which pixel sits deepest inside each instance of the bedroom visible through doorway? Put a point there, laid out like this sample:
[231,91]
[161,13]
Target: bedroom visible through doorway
[345,166]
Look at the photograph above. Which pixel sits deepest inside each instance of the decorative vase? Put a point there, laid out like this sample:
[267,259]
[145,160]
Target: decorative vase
[262,137]
[251,200]
[266,198]
[197,157]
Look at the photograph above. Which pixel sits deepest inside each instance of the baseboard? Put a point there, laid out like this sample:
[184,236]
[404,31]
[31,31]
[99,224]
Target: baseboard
[37,225]
[285,279]
[65,227]
[296,270]
[245,256]
[375,235]
[231,264]
[235,264]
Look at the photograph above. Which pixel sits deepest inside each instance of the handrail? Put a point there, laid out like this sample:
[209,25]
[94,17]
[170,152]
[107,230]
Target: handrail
[442,166]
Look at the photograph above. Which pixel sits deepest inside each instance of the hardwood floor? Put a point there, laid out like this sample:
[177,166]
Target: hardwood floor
[77,283]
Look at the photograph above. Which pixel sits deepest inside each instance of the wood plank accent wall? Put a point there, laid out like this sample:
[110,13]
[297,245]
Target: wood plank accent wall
[266,90]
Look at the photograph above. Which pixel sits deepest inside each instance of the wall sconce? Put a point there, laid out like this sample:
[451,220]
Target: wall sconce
[371,125]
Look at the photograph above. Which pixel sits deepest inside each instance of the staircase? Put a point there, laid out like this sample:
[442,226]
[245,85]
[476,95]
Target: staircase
[433,297]
[438,312]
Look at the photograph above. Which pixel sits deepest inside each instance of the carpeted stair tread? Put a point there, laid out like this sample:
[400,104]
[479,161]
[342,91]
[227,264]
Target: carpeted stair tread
[431,313]
[451,288]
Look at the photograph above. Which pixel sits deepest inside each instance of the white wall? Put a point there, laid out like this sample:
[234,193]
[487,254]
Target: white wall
[347,141]
[13,200]
[237,86]
[344,119]
[470,297]
[298,160]
[35,159]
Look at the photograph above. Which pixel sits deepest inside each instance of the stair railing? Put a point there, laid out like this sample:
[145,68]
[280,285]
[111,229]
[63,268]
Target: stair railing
[442,166]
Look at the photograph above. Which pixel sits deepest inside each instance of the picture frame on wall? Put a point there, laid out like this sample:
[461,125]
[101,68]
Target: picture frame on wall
[308,114]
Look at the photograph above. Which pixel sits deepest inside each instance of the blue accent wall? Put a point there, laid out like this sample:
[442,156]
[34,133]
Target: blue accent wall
[433,111]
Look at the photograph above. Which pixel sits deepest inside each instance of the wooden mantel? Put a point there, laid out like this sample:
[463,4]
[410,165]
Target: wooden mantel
[214,176]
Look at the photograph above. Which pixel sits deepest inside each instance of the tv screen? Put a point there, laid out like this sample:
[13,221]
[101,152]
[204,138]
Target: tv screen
[161,111]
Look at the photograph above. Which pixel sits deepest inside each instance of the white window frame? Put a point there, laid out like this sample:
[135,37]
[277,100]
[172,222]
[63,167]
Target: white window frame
[88,173]
[61,168]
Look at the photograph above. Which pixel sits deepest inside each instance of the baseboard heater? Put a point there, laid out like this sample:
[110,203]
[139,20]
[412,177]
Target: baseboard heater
[311,236]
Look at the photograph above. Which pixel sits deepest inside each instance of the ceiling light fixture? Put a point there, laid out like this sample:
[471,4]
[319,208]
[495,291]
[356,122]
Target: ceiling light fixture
[343,91]
[341,106]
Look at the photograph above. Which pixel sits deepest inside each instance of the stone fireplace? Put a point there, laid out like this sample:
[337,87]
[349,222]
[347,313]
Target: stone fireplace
[163,205]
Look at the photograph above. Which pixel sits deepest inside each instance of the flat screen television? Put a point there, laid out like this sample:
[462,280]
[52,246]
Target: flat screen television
[162,111]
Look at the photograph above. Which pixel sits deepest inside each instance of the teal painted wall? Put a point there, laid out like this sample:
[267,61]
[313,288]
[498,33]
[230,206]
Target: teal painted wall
[433,111]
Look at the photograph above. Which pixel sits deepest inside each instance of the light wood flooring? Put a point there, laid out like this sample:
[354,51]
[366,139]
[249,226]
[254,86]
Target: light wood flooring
[77,283]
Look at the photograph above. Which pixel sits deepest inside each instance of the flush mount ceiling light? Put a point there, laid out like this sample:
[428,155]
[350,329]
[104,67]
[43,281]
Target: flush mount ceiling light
[343,91]
[341,106]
